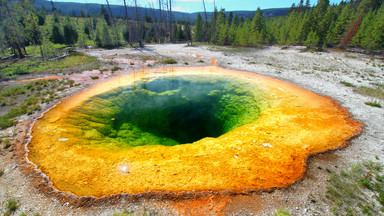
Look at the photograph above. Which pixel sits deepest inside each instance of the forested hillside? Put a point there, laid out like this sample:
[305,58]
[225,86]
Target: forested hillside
[76,9]
[357,23]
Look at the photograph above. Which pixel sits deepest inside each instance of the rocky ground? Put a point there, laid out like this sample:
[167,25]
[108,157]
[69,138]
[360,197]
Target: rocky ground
[320,72]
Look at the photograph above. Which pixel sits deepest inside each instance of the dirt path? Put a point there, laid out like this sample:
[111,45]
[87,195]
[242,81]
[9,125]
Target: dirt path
[318,72]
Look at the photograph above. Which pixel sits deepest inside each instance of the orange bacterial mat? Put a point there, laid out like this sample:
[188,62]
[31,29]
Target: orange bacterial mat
[269,152]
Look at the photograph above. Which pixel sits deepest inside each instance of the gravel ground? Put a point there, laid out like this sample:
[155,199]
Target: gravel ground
[320,72]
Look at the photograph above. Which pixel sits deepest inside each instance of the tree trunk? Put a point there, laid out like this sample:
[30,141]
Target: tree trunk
[138,25]
[170,29]
[19,50]
[17,42]
[206,22]
[128,24]
[42,53]
[160,22]
[110,11]
[25,51]
[170,17]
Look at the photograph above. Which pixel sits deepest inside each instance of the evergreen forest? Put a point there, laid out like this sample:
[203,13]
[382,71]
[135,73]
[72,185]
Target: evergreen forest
[354,23]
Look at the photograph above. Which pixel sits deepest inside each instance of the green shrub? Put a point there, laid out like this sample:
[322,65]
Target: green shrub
[169,61]
[6,122]
[372,92]
[115,68]
[16,90]
[32,101]
[282,212]
[11,205]
[373,104]
[347,84]
[6,143]
[348,192]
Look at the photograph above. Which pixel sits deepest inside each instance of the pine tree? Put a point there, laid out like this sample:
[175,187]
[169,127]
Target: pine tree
[32,30]
[232,34]
[373,30]
[57,35]
[312,40]
[378,31]
[301,4]
[308,25]
[48,48]
[82,14]
[212,27]
[179,34]
[105,13]
[363,37]
[325,23]
[98,41]
[199,29]
[258,32]
[236,20]
[69,32]
[41,15]
[334,36]
[307,4]
[174,38]
[188,33]
[12,27]
[230,19]
[258,22]
[220,36]
[106,38]
[351,32]
[82,40]
[34,33]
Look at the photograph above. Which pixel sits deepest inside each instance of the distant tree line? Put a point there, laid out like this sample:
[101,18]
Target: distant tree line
[358,23]
[21,25]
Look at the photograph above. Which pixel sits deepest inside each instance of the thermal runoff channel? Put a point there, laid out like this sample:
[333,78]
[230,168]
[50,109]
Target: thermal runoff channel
[185,129]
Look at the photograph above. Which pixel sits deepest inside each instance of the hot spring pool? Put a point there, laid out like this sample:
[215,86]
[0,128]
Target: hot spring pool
[185,129]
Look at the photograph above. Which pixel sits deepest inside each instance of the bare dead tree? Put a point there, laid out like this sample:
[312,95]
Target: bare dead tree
[138,26]
[190,31]
[53,6]
[170,19]
[89,18]
[12,29]
[168,5]
[155,23]
[128,24]
[161,21]
[206,22]
[166,17]
[110,12]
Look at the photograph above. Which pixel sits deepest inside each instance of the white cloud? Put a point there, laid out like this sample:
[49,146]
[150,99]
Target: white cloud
[182,9]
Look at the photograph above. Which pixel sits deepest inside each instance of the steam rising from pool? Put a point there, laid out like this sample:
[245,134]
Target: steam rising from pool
[186,129]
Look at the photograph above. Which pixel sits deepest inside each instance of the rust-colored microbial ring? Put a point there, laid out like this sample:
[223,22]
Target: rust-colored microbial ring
[266,151]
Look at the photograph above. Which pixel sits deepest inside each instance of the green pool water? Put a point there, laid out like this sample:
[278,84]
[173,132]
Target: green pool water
[168,110]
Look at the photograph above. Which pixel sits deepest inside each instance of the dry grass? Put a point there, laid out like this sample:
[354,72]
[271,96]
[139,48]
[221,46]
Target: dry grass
[350,191]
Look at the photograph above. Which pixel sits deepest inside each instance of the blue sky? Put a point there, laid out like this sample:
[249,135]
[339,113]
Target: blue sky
[197,5]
